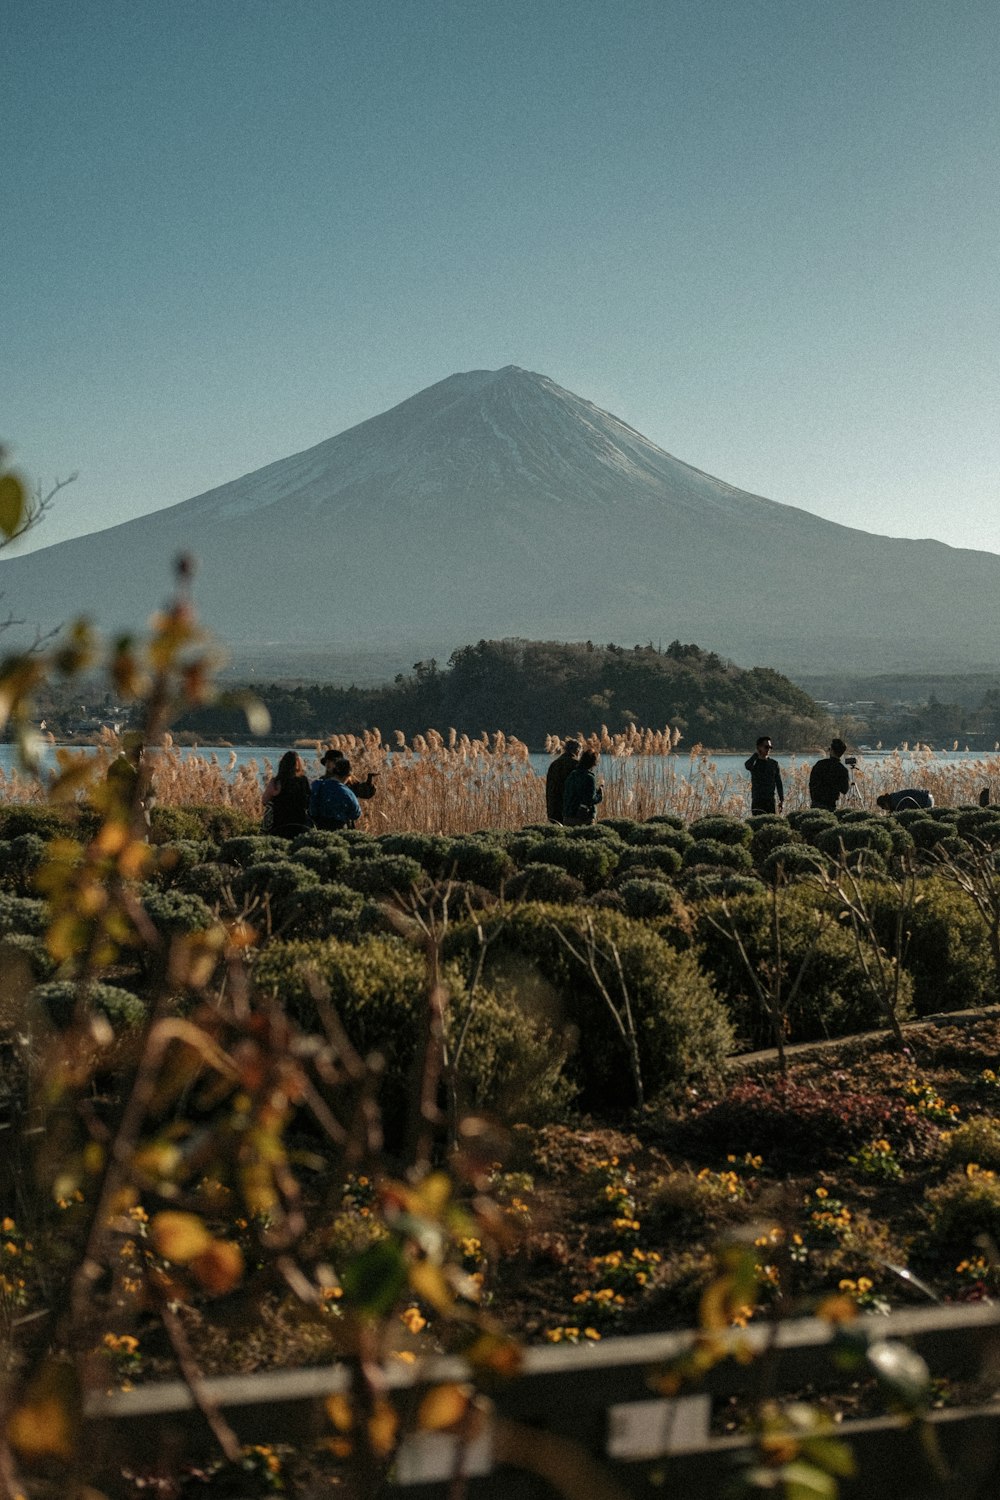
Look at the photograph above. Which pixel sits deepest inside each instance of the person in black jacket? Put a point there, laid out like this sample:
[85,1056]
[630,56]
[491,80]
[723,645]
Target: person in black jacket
[911,796]
[582,793]
[765,780]
[555,779]
[829,779]
[287,795]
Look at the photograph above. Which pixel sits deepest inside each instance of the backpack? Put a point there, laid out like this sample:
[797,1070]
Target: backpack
[332,804]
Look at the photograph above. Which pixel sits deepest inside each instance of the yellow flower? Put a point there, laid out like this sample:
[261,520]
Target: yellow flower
[413,1319]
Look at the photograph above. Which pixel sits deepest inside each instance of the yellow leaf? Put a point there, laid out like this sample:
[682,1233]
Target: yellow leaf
[428,1281]
[443,1407]
[46,1424]
[13,503]
[432,1196]
[383,1425]
[220,1267]
[338,1409]
[179,1236]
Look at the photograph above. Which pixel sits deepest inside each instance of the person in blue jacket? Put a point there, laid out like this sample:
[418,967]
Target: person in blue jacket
[332,804]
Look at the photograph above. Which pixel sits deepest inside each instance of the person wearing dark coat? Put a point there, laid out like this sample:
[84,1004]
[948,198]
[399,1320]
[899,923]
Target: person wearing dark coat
[911,796]
[581,793]
[287,795]
[555,779]
[829,779]
[766,789]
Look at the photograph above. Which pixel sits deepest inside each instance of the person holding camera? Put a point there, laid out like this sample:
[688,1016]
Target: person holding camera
[766,791]
[829,779]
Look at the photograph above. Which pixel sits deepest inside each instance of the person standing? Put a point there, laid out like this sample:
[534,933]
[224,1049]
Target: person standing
[555,779]
[128,782]
[767,795]
[287,795]
[582,793]
[829,779]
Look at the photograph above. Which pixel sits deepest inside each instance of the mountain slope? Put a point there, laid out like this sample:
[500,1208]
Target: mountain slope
[494,503]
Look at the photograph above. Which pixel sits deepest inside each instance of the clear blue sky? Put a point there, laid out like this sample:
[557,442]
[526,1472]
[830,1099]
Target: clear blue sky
[764,232]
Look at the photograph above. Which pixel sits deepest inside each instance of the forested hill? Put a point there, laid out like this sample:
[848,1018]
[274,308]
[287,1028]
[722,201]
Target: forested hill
[534,688]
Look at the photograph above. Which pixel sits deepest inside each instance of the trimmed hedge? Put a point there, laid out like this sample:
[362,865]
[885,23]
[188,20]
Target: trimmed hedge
[681,1025]
[834,997]
[125,1011]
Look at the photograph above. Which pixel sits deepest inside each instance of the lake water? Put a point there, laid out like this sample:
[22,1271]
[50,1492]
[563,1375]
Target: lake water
[684,767]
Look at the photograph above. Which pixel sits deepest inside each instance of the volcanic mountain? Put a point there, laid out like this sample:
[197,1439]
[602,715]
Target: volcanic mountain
[495,503]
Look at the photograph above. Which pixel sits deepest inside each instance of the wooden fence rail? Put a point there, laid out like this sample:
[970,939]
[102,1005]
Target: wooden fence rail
[591,1411]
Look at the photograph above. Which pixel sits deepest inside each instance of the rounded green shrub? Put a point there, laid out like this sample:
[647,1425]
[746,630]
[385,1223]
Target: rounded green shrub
[29,949]
[646,899]
[576,958]
[377,986]
[58,998]
[213,883]
[174,913]
[945,946]
[975,1141]
[40,818]
[220,822]
[512,1061]
[735,857]
[960,1212]
[275,879]
[668,820]
[865,834]
[703,882]
[321,911]
[385,875]
[767,834]
[329,862]
[520,845]
[171,825]
[789,860]
[980,825]
[22,914]
[318,838]
[176,858]
[662,857]
[925,831]
[482,862]
[721,830]
[627,829]
[591,861]
[834,995]
[540,882]
[811,822]
[251,850]
[20,857]
[907,815]
[431,851]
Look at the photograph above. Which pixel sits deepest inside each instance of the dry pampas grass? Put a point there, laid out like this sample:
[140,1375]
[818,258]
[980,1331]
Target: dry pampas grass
[451,783]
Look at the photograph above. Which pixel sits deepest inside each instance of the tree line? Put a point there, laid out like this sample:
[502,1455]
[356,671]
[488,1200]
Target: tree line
[534,688]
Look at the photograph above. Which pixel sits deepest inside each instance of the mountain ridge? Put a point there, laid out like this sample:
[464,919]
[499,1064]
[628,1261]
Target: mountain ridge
[496,503]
